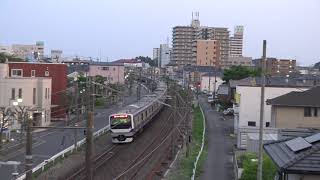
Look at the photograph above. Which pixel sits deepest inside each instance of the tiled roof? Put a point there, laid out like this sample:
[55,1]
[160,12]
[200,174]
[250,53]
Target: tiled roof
[306,161]
[308,98]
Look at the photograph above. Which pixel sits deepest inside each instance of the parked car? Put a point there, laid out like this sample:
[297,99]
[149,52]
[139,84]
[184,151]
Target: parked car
[210,99]
[228,111]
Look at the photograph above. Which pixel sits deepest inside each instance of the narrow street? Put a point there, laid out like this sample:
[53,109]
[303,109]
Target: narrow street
[218,165]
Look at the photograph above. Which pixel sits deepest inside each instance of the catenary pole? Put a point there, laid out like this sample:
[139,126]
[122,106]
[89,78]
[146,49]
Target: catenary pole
[260,159]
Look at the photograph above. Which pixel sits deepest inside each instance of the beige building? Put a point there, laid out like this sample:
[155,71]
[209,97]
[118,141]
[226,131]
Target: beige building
[29,51]
[208,53]
[297,109]
[275,66]
[238,61]
[34,93]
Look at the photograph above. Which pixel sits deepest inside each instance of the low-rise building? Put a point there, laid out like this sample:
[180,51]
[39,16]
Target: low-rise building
[297,109]
[58,74]
[113,72]
[34,95]
[296,158]
[210,82]
[275,66]
[238,61]
[29,51]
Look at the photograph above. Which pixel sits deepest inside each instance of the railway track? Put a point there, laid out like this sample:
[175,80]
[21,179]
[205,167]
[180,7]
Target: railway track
[137,159]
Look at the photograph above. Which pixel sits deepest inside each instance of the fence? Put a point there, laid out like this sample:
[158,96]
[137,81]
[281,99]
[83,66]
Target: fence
[41,167]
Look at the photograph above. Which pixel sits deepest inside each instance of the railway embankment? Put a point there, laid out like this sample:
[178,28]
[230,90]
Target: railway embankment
[190,164]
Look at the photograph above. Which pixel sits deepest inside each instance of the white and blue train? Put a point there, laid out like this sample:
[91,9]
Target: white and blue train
[127,123]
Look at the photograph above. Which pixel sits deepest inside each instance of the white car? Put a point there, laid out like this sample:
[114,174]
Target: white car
[210,99]
[228,111]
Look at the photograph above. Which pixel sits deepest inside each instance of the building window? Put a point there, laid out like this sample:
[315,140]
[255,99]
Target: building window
[20,93]
[16,72]
[105,68]
[46,73]
[33,73]
[13,93]
[46,93]
[34,96]
[114,69]
[315,112]
[267,124]
[251,123]
[49,93]
[307,112]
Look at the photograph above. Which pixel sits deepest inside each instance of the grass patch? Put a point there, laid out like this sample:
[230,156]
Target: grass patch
[186,164]
[249,163]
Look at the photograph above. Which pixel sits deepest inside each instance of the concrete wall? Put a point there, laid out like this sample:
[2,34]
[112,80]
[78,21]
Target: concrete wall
[293,117]
[113,74]
[249,107]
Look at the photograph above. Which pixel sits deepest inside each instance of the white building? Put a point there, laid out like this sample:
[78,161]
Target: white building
[236,42]
[34,92]
[247,110]
[56,55]
[249,104]
[208,82]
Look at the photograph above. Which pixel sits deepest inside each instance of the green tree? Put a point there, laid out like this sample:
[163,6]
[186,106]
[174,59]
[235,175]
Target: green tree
[11,58]
[151,62]
[240,72]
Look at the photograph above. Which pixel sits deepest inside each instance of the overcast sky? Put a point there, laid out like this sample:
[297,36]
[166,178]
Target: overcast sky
[129,28]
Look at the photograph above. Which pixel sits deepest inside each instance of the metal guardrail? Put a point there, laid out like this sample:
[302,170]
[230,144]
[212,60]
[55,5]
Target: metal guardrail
[70,149]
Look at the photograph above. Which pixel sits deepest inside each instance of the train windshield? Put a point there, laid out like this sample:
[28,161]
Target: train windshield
[120,122]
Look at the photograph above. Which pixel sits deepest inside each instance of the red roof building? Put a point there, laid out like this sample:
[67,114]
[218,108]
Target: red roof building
[58,74]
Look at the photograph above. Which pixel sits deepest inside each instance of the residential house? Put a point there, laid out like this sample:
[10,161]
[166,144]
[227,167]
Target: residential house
[113,72]
[297,109]
[297,158]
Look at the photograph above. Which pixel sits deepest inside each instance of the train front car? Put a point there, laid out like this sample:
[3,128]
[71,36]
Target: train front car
[121,127]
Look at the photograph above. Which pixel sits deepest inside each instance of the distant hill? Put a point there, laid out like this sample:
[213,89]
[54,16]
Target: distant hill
[11,58]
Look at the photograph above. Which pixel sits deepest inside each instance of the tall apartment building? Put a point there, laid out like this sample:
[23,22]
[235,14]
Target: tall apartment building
[236,42]
[155,54]
[276,66]
[216,33]
[208,53]
[182,44]
[164,55]
[30,51]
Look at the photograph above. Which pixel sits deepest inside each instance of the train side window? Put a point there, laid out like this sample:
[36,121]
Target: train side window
[141,116]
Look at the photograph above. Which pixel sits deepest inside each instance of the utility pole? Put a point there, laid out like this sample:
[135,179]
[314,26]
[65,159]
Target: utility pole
[28,166]
[89,137]
[77,113]
[187,123]
[172,121]
[139,87]
[260,160]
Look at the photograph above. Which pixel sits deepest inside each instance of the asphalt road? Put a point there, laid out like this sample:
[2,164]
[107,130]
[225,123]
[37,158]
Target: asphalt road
[218,165]
[49,143]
